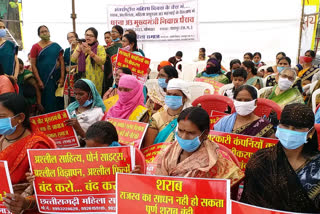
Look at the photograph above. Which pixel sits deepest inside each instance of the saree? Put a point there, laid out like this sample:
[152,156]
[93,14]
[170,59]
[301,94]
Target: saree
[271,182]
[25,81]
[206,162]
[166,132]
[289,96]
[254,81]
[49,75]
[307,73]
[8,50]
[16,154]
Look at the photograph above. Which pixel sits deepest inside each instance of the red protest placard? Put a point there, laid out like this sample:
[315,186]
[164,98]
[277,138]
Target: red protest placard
[66,92]
[78,180]
[158,194]
[216,85]
[152,153]
[138,64]
[129,132]
[5,185]
[241,208]
[242,146]
[52,124]
[215,117]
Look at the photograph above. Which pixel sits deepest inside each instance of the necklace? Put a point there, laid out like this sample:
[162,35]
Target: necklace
[12,140]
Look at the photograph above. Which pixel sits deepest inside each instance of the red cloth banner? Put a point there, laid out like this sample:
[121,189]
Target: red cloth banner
[5,185]
[78,180]
[215,117]
[159,194]
[216,85]
[242,146]
[152,153]
[53,126]
[129,132]
[65,92]
[241,208]
[138,64]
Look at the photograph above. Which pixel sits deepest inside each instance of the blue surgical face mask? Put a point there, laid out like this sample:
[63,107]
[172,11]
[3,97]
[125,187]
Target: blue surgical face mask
[173,102]
[162,83]
[3,33]
[114,144]
[280,69]
[116,40]
[87,103]
[256,63]
[291,139]
[189,145]
[6,126]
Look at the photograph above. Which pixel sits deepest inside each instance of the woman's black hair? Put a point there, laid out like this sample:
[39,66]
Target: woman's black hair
[218,56]
[250,64]
[130,31]
[203,50]
[40,28]
[249,54]
[119,29]
[257,53]
[234,61]
[75,34]
[132,39]
[16,104]
[94,31]
[282,53]
[301,116]
[108,32]
[103,132]
[285,58]
[240,72]
[196,115]
[252,91]
[126,70]
[170,71]
[179,53]
[20,62]
[270,70]
[1,69]
[82,85]
[311,52]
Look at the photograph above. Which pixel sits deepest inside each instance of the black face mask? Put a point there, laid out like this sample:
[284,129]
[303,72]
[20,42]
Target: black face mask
[212,70]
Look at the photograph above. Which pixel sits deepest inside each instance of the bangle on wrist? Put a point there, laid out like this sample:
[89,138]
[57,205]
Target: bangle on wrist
[92,54]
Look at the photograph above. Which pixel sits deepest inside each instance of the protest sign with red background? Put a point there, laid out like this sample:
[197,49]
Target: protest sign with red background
[215,117]
[242,146]
[78,180]
[159,194]
[66,91]
[241,208]
[53,125]
[137,64]
[216,85]
[152,153]
[129,132]
[5,185]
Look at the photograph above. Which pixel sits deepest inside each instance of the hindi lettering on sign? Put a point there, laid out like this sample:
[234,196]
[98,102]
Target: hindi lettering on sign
[5,185]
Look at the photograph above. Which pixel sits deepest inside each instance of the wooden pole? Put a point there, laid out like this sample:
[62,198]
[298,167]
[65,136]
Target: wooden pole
[73,16]
[301,26]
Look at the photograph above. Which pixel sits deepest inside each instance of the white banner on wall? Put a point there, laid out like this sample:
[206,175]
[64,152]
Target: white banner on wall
[159,21]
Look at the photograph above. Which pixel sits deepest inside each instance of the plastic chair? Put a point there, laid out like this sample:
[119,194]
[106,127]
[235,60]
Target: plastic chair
[229,152]
[189,71]
[314,97]
[140,160]
[225,87]
[201,66]
[262,90]
[265,106]
[198,89]
[214,102]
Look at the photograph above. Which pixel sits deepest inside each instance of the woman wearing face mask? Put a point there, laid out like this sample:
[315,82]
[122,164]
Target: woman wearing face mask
[129,43]
[87,109]
[17,138]
[244,121]
[48,68]
[157,92]
[193,154]
[111,96]
[130,103]
[306,70]
[279,56]
[116,36]
[286,177]
[162,125]
[8,53]
[213,71]
[284,93]
[252,78]
[90,57]
[257,60]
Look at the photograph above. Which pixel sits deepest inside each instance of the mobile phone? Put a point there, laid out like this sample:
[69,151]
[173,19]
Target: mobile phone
[81,40]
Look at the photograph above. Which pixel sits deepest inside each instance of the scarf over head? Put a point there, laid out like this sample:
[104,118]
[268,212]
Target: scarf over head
[216,69]
[179,84]
[82,57]
[128,101]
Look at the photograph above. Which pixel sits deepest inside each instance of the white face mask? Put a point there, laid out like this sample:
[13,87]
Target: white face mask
[245,108]
[284,84]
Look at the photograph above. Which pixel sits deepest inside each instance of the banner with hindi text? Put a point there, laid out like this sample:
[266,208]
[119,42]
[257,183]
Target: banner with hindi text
[5,185]
[216,85]
[242,146]
[53,125]
[146,194]
[78,180]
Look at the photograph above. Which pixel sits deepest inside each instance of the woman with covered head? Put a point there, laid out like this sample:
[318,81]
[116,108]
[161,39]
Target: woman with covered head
[193,154]
[306,69]
[287,176]
[163,124]
[213,71]
[130,104]
[88,107]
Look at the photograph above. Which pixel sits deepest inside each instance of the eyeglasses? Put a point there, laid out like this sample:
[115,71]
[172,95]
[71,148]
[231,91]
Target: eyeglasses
[114,32]
[89,35]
